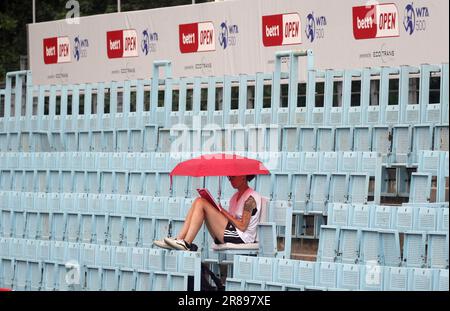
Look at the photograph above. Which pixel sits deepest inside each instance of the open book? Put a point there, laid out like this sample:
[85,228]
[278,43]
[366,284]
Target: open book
[204,193]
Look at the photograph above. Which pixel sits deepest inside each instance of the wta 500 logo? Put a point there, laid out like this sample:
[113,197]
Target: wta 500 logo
[415,18]
[196,37]
[122,43]
[375,21]
[281,29]
[315,27]
[56,50]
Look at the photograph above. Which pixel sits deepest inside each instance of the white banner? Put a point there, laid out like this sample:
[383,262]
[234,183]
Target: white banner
[235,37]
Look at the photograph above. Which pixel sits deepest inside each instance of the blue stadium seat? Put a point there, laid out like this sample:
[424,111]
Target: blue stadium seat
[338,189]
[138,258]
[344,138]
[243,267]
[401,144]
[328,161]
[349,245]
[93,278]
[310,162]
[127,279]
[441,280]
[156,260]
[420,189]
[18,224]
[395,279]
[49,276]
[422,139]
[372,277]
[348,277]
[390,247]
[319,193]
[328,244]
[285,271]
[326,274]
[420,279]
[360,215]
[115,227]
[414,244]
[338,214]
[358,188]
[143,280]
[178,281]
[160,281]
[234,284]
[131,230]
[20,275]
[441,137]
[146,231]
[405,218]
[265,268]
[300,191]
[427,219]
[306,273]
[383,217]
[437,250]
[121,257]
[34,275]
[443,219]
[110,279]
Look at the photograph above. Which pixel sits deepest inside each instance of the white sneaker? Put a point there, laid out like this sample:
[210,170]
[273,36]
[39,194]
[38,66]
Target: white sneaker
[177,244]
[162,244]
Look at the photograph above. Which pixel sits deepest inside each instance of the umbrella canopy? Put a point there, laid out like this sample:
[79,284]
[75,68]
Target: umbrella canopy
[219,164]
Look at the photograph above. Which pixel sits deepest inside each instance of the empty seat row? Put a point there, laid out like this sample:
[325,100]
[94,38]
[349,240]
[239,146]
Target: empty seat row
[401,142]
[398,144]
[126,205]
[90,160]
[118,140]
[87,181]
[89,227]
[120,220]
[310,191]
[311,162]
[382,246]
[250,273]
[402,218]
[75,122]
[35,275]
[86,254]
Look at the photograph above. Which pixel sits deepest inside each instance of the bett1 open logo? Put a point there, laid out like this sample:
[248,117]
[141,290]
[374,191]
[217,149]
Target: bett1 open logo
[196,37]
[122,43]
[56,50]
[375,21]
[281,29]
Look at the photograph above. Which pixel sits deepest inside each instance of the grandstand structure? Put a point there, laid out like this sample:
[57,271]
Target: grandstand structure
[359,163]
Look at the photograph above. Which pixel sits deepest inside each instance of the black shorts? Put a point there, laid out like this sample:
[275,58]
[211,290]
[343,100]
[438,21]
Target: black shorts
[230,235]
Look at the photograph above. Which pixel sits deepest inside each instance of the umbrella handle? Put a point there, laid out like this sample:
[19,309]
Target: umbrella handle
[220,188]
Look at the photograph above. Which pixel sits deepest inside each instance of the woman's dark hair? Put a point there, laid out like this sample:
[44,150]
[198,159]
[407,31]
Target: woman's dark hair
[250,177]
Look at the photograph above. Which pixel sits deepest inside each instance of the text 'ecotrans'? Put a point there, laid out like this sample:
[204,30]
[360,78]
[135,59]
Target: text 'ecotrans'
[281,29]
[375,21]
[196,37]
[122,43]
[56,50]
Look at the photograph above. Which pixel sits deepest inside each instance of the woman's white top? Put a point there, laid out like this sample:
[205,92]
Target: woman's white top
[237,208]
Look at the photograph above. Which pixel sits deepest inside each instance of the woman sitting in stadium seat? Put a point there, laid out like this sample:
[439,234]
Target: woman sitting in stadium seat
[238,225]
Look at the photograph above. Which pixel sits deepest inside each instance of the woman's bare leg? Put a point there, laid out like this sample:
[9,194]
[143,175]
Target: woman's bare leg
[202,210]
[187,221]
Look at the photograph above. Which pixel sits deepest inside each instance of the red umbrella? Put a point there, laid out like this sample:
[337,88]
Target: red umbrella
[219,164]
